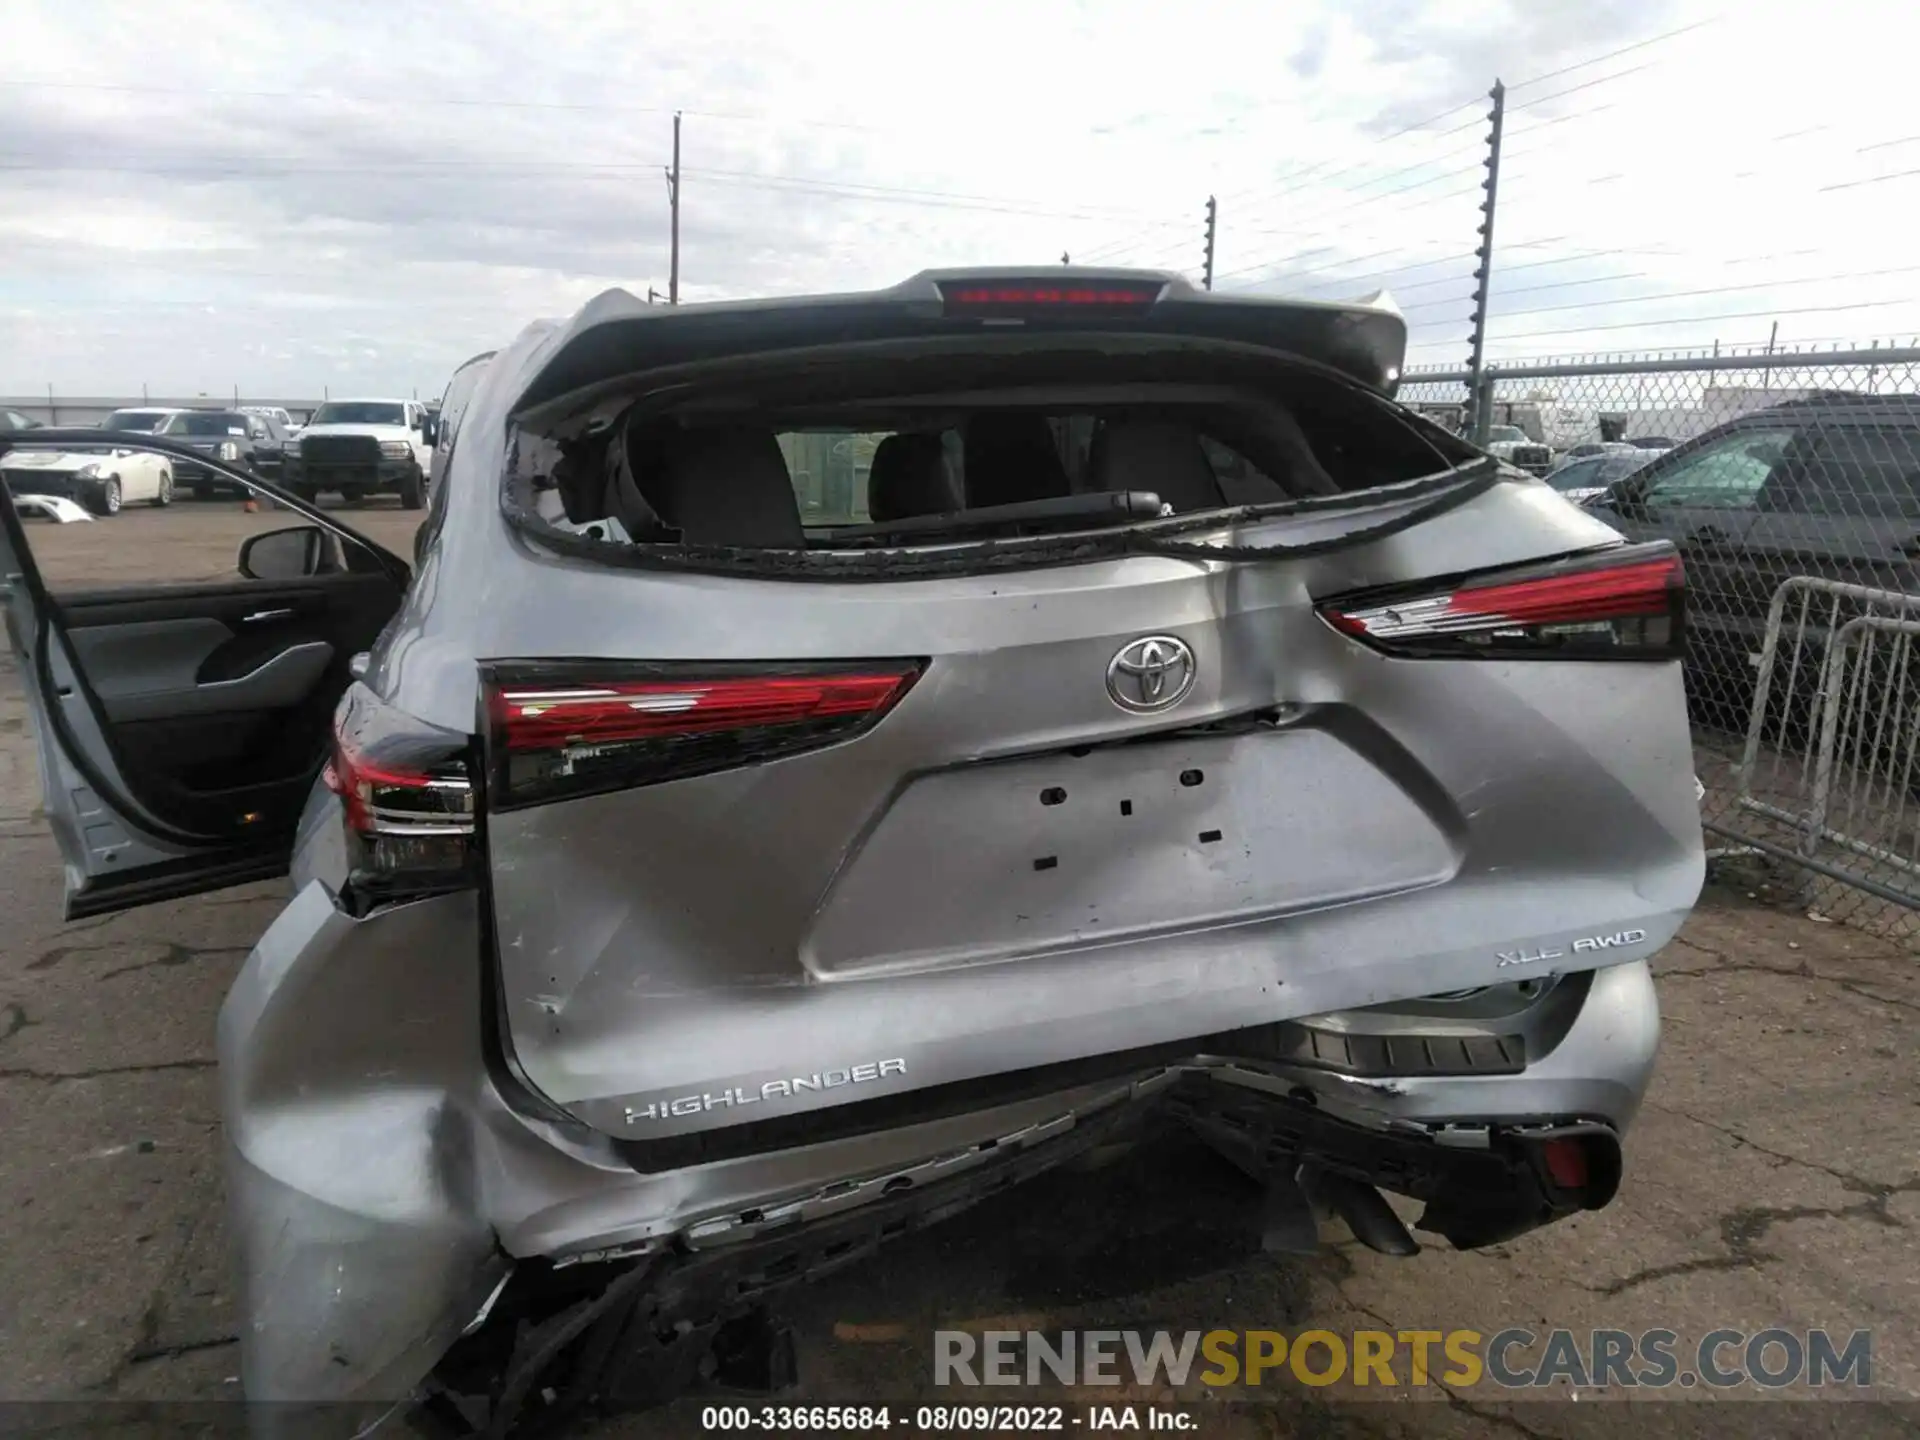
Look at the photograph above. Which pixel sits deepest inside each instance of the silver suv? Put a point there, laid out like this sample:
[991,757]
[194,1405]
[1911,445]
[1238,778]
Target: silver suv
[837,756]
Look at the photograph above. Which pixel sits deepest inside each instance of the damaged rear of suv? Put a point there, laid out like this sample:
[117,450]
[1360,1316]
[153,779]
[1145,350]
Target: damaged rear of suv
[839,756]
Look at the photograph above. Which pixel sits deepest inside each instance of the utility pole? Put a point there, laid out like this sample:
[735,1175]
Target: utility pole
[1213,225]
[1479,390]
[673,198]
[1065,258]
[654,297]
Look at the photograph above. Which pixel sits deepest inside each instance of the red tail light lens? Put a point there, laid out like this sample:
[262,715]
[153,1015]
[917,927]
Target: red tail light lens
[1624,603]
[570,729]
[406,796]
[1022,298]
[386,800]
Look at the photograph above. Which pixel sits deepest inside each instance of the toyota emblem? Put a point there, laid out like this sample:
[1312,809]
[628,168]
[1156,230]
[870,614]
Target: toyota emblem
[1152,673]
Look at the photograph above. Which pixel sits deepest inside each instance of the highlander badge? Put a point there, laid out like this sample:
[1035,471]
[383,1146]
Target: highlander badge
[736,1095]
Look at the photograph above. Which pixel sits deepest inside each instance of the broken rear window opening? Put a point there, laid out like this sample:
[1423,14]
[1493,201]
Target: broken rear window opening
[971,457]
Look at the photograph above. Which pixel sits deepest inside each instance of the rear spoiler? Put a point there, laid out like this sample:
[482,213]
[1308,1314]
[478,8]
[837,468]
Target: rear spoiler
[616,335]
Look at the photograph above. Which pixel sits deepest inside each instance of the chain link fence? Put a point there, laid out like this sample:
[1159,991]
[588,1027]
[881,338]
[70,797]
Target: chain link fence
[1791,485]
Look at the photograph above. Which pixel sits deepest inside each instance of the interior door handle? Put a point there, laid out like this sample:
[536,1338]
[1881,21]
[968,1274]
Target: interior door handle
[261,617]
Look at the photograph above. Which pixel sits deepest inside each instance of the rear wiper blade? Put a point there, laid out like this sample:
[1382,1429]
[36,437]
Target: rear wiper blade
[1448,490]
[1116,506]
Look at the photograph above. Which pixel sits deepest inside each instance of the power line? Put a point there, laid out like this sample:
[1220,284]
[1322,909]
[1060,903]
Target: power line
[1870,180]
[1345,280]
[1615,54]
[1644,275]
[622,170]
[1475,123]
[1134,243]
[1335,265]
[1387,275]
[1704,319]
[1598,80]
[1691,294]
[1299,174]
[1275,264]
[1378,179]
[398,99]
[935,199]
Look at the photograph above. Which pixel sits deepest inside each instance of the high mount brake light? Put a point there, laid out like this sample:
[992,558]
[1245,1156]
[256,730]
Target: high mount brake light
[1011,298]
[1625,604]
[575,728]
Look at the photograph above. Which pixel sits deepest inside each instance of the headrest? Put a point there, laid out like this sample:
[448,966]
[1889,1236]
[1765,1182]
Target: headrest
[909,478]
[1010,456]
[1163,456]
[727,486]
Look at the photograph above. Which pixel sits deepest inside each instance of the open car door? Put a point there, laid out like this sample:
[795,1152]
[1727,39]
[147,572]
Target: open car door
[181,721]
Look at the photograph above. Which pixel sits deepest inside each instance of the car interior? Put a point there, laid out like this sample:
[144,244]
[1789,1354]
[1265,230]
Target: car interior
[707,478]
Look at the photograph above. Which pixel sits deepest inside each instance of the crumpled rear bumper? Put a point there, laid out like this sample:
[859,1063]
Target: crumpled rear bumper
[381,1190]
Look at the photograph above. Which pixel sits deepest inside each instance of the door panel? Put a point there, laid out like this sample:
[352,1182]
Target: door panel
[181,725]
[218,698]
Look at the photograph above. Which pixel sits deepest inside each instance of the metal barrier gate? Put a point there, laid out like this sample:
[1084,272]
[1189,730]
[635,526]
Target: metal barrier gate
[1832,754]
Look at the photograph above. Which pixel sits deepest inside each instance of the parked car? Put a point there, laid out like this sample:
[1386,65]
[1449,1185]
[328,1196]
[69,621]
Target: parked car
[613,992]
[1589,448]
[1827,487]
[250,443]
[100,481]
[1516,447]
[1587,478]
[140,419]
[359,448]
[283,421]
[443,422]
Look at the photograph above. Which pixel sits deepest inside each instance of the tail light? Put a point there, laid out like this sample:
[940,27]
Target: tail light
[1626,603]
[567,729]
[407,799]
[1014,299]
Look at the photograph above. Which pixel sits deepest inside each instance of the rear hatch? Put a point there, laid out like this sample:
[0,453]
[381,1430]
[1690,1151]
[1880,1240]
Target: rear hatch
[799,831]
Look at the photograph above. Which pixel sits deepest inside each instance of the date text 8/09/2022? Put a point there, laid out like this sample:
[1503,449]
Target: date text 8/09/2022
[937,1419]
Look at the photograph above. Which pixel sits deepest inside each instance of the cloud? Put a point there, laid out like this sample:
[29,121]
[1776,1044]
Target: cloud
[289,197]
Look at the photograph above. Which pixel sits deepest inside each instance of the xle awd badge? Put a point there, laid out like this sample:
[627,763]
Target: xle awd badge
[1585,945]
[1152,673]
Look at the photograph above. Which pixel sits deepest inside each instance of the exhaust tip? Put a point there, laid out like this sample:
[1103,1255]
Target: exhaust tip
[1364,1208]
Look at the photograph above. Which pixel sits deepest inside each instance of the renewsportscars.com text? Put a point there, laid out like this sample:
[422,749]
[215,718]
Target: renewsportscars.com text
[1512,1359]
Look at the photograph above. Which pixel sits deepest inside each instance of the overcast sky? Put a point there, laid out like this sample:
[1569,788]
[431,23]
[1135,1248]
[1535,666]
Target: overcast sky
[353,196]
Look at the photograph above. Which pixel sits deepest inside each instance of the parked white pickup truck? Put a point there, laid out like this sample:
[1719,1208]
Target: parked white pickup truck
[362,447]
[1513,445]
